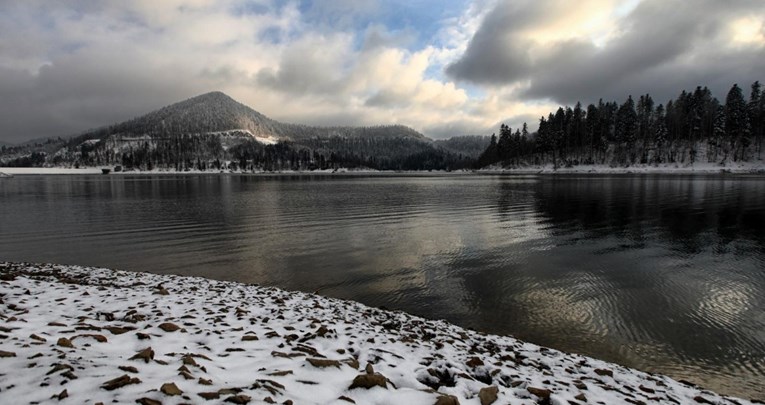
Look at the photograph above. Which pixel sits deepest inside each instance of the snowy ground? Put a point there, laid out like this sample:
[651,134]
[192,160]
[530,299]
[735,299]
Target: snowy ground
[76,335]
[698,168]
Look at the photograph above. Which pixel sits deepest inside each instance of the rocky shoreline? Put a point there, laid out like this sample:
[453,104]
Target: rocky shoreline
[73,335]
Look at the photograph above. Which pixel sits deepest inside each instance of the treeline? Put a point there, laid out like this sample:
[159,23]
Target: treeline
[693,127]
[238,151]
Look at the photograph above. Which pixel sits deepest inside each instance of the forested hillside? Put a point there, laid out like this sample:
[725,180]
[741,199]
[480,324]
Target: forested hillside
[693,128]
[214,132]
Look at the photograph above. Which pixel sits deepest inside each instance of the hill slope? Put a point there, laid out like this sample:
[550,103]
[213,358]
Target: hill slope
[213,130]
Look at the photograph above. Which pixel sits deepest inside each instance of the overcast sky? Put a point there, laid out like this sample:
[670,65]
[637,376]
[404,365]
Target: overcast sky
[443,67]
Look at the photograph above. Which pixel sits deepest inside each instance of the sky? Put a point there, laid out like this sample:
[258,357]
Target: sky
[443,67]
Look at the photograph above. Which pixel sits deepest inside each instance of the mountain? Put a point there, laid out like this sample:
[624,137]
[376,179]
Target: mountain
[214,130]
[469,145]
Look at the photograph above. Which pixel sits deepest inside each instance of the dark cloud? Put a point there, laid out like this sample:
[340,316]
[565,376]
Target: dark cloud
[664,46]
[72,95]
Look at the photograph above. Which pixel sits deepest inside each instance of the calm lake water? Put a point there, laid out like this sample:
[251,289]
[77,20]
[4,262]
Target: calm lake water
[665,274]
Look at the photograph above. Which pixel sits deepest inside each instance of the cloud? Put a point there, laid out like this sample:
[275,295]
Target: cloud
[659,46]
[461,67]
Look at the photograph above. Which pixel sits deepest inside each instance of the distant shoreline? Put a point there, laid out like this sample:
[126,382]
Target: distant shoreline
[705,169]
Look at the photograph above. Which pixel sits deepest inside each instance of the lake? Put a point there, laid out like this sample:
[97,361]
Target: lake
[661,273]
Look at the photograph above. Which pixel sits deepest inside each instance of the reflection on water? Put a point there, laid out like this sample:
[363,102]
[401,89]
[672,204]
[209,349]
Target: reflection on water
[665,274]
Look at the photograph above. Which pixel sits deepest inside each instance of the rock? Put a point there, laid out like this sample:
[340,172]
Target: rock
[202,381]
[368,381]
[116,330]
[58,367]
[238,399]
[702,400]
[604,372]
[188,360]
[580,397]
[540,392]
[129,369]
[169,327]
[63,394]
[37,338]
[146,355]
[98,338]
[170,389]
[322,331]
[474,362]
[346,399]
[646,389]
[447,400]
[209,395]
[249,338]
[142,336]
[369,369]
[323,363]
[64,342]
[3,353]
[120,382]
[148,401]
[352,362]
[488,395]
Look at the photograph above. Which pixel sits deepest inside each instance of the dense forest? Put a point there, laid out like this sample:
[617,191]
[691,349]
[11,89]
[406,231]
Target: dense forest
[693,128]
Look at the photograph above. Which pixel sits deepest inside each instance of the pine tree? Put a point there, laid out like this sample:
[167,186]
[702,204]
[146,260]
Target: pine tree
[756,115]
[736,121]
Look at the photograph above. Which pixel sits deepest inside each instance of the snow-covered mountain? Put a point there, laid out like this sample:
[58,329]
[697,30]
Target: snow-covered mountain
[214,128]
[216,112]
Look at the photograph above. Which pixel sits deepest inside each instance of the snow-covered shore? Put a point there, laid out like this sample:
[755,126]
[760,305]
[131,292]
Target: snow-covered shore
[76,335]
[698,168]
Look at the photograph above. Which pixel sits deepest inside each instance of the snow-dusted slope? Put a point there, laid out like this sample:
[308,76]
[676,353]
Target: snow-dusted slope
[75,335]
[216,112]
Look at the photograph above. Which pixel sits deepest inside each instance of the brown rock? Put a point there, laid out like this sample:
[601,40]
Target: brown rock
[98,338]
[146,355]
[369,369]
[702,400]
[368,381]
[189,360]
[63,394]
[447,400]
[604,372]
[64,342]
[143,336]
[202,381]
[581,397]
[474,362]
[37,338]
[129,369]
[646,389]
[170,389]
[249,338]
[540,392]
[116,330]
[119,382]
[209,395]
[346,399]
[323,363]
[488,395]
[240,399]
[148,401]
[169,327]
[3,353]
